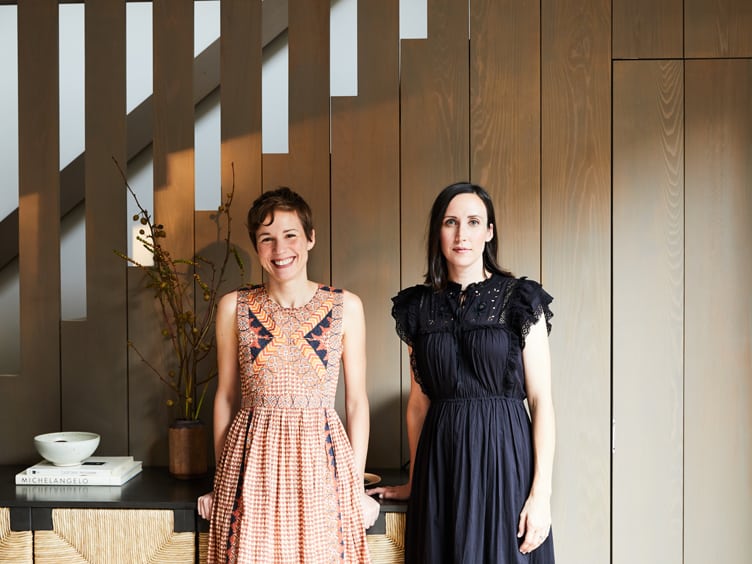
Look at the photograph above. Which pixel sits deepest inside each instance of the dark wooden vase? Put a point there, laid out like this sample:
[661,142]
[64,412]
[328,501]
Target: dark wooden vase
[188,449]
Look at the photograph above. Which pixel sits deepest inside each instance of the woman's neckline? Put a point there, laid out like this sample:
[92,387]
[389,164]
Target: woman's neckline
[304,303]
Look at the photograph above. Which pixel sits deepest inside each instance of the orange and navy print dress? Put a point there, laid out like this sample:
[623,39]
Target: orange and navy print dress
[286,488]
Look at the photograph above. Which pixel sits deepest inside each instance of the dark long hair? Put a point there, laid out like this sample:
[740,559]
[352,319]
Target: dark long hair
[437,273]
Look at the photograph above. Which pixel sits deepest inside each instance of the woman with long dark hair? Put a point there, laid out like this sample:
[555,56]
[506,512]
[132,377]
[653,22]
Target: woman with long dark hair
[480,473]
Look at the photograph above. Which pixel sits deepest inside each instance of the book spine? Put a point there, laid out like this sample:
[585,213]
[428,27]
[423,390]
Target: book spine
[63,480]
[75,472]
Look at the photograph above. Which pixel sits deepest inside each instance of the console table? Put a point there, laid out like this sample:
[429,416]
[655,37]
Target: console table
[152,518]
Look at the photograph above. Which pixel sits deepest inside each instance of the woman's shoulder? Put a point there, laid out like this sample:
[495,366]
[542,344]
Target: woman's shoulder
[410,296]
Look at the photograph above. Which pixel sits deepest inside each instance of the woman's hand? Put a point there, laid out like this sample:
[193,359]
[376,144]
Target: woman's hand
[205,503]
[371,510]
[400,492]
[535,523]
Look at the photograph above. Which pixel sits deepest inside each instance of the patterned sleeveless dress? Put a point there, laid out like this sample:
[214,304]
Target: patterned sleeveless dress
[286,488]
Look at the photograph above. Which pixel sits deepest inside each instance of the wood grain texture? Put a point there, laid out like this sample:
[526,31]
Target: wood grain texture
[644,29]
[365,213]
[434,134]
[174,204]
[94,378]
[306,168]
[718,349]
[717,28]
[648,310]
[36,391]
[240,99]
[505,124]
[576,264]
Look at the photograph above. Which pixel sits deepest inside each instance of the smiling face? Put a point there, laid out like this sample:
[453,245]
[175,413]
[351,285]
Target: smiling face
[464,233]
[283,247]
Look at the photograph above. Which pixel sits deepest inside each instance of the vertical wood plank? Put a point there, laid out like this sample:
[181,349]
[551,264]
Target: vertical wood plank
[365,212]
[717,28]
[240,99]
[644,29]
[174,204]
[648,271]
[505,124]
[434,134]
[94,382]
[576,264]
[36,391]
[306,168]
[718,382]
[434,124]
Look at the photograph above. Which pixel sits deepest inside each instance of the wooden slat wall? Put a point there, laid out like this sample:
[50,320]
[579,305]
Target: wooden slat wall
[37,389]
[718,349]
[365,212]
[717,28]
[526,113]
[646,29]
[174,188]
[240,101]
[306,168]
[434,134]
[505,124]
[94,379]
[576,257]
[648,307]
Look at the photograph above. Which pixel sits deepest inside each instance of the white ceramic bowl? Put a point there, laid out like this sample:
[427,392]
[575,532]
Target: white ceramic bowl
[67,448]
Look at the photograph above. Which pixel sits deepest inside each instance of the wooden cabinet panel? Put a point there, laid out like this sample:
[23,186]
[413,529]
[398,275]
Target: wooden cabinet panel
[648,312]
[718,348]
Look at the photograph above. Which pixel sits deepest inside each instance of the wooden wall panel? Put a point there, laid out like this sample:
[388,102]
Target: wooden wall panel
[36,391]
[306,168]
[505,124]
[576,265]
[434,134]
[240,93]
[718,379]
[645,29]
[174,204]
[365,213]
[717,28]
[648,300]
[94,378]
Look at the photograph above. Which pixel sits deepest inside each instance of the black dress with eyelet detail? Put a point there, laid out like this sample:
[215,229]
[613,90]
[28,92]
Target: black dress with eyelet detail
[474,462]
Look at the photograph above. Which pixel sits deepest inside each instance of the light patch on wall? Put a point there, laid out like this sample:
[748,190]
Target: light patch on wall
[343,48]
[413,15]
[71,57]
[73,265]
[138,46]
[206,25]
[10,343]
[8,119]
[275,96]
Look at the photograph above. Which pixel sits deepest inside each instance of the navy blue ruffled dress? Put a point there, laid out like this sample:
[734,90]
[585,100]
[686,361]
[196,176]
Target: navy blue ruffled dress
[474,462]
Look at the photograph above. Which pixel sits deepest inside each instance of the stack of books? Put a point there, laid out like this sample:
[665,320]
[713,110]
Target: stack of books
[94,471]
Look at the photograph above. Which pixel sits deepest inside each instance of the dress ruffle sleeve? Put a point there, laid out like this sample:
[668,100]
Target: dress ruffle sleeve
[528,303]
[405,311]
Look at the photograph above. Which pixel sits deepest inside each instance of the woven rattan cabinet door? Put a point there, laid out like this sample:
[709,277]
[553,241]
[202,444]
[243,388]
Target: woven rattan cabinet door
[15,546]
[113,536]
